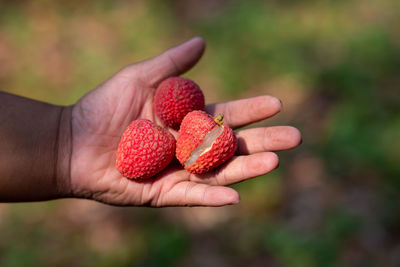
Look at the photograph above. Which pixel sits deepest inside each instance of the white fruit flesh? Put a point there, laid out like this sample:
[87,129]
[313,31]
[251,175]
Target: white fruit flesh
[206,145]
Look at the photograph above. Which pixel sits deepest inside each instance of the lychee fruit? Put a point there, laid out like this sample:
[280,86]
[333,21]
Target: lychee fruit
[204,143]
[145,149]
[174,98]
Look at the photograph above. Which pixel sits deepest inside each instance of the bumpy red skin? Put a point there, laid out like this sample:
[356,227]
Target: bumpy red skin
[174,98]
[193,129]
[145,149]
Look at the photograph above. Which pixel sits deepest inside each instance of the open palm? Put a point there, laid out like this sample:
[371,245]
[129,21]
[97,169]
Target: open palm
[100,117]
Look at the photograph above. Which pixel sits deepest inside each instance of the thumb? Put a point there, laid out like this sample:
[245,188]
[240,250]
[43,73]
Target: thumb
[172,62]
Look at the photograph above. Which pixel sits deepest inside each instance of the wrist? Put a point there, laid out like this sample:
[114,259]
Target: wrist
[29,150]
[63,153]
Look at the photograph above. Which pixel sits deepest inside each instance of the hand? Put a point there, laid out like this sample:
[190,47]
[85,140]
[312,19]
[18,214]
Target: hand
[99,119]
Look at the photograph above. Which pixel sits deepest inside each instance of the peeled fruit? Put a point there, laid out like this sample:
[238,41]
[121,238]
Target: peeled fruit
[174,98]
[203,142]
[145,149]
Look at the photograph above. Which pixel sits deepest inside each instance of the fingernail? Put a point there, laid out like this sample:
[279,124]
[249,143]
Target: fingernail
[192,40]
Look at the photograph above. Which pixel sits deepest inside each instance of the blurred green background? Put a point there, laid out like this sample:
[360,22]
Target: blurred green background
[335,64]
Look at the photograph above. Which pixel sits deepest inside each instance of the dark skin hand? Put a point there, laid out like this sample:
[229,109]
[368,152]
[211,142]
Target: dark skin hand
[74,147]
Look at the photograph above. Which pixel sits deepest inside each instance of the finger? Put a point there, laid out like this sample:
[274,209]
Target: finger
[172,62]
[267,139]
[245,111]
[240,168]
[195,194]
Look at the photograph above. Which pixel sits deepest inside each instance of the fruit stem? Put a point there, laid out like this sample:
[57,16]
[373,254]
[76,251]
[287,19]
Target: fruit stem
[219,119]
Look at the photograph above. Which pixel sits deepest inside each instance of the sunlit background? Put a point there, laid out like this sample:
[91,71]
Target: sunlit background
[335,64]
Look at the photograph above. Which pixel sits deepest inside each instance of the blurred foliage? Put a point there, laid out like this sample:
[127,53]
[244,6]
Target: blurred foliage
[336,67]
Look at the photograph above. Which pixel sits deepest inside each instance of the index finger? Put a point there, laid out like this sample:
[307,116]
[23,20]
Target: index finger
[245,111]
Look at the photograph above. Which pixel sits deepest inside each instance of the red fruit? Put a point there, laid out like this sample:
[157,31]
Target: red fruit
[203,142]
[145,149]
[174,98]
